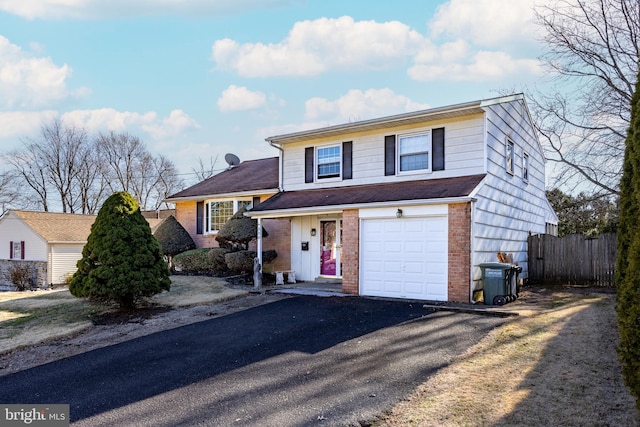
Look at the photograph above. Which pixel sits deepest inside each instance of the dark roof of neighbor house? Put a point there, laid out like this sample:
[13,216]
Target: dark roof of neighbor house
[373,193]
[58,227]
[250,175]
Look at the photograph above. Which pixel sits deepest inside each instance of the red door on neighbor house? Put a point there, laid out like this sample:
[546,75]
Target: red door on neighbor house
[330,246]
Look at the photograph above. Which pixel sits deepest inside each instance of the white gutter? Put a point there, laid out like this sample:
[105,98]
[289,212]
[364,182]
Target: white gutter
[339,208]
[234,195]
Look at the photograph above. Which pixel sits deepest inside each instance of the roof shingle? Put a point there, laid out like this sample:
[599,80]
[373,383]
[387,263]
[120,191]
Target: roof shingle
[374,193]
[58,227]
[250,175]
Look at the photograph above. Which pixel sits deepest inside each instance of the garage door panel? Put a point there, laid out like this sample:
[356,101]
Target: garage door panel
[392,267]
[413,255]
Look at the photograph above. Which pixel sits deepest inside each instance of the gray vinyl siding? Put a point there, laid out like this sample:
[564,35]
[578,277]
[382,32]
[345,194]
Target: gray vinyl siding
[508,208]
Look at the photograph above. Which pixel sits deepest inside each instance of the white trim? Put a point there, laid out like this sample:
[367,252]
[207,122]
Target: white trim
[237,195]
[339,208]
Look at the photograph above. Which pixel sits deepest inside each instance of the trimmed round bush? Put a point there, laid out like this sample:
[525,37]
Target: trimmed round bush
[242,261]
[216,259]
[195,261]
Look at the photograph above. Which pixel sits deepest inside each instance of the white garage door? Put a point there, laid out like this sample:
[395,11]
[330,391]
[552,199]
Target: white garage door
[64,259]
[405,258]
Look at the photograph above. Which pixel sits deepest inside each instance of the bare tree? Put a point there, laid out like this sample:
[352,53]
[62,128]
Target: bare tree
[205,171]
[593,53]
[28,166]
[121,153]
[63,149]
[51,164]
[130,167]
[9,190]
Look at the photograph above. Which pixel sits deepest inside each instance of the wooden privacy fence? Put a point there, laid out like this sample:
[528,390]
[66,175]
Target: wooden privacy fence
[572,260]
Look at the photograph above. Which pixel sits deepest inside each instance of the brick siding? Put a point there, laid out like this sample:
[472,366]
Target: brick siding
[350,254]
[459,252]
[279,235]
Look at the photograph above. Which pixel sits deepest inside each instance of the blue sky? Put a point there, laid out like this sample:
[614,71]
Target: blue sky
[201,78]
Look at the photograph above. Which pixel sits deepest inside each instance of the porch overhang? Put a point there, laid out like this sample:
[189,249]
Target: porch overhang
[337,199]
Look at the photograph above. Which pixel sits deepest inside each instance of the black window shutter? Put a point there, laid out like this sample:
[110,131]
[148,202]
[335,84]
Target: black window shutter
[199,211]
[11,250]
[437,143]
[22,250]
[390,155]
[308,164]
[347,148]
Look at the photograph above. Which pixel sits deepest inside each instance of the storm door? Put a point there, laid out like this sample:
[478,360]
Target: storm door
[330,246]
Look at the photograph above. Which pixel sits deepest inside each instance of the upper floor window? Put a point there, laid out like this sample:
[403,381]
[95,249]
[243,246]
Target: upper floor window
[216,213]
[332,161]
[413,152]
[418,152]
[509,156]
[328,162]
[525,167]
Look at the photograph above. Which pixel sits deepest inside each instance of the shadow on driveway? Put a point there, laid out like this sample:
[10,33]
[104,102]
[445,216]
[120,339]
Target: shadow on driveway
[296,361]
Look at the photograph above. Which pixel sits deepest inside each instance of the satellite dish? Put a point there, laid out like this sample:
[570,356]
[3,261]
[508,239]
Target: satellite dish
[232,160]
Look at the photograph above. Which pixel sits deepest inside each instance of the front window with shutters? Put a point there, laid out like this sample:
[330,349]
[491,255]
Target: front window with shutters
[328,161]
[413,152]
[216,213]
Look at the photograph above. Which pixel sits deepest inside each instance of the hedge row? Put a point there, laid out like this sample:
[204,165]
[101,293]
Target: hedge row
[219,260]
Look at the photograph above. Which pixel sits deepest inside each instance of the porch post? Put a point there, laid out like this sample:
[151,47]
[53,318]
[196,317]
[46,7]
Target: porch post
[257,275]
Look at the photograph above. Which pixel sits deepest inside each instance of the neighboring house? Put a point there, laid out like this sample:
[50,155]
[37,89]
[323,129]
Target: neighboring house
[405,206]
[50,243]
[204,207]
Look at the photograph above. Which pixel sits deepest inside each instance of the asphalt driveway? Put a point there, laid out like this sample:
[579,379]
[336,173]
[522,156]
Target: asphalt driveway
[300,361]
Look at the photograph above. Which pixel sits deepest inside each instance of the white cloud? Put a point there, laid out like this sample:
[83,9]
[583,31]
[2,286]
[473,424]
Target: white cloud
[239,98]
[27,81]
[483,65]
[16,124]
[170,127]
[314,47]
[358,105]
[90,9]
[105,119]
[485,22]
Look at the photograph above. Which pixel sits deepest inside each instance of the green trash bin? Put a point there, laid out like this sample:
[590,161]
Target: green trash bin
[496,282]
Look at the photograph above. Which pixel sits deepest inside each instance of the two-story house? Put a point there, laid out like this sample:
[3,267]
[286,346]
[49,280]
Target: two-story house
[408,206]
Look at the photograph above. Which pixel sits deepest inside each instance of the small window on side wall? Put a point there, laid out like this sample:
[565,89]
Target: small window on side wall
[525,167]
[16,250]
[509,156]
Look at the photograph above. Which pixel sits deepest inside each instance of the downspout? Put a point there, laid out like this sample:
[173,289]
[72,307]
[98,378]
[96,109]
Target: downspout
[257,268]
[473,251]
[280,163]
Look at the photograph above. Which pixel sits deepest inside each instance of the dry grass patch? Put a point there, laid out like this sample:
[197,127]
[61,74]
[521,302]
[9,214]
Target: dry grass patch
[29,318]
[554,365]
[191,290]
